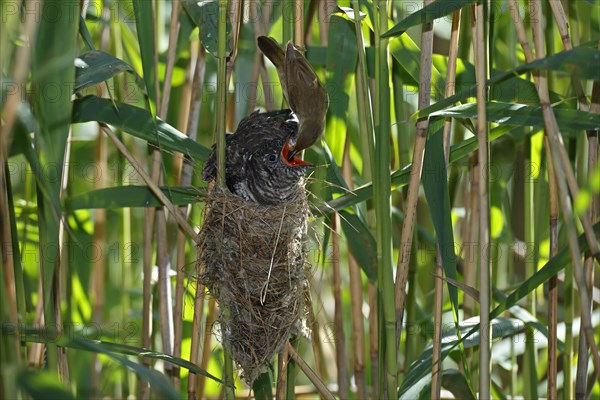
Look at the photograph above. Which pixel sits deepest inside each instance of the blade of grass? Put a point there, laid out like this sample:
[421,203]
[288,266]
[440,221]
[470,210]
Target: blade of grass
[132,196]
[420,367]
[170,316]
[183,224]
[11,280]
[12,99]
[523,115]
[146,35]
[354,225]
[431,11]
[235,11]
[262,387]
[356,301]
[15,252]
[139,123]
[174,27]
[146,38]
[75,341]
[292,369]
[42,385]
[436,365]
[401,177]
[415,177]
[52,65]
[9,347]
[436,192]
[451,77]
[582,61]
[96,66]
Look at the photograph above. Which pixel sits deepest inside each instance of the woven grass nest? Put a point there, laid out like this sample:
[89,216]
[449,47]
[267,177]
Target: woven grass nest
[252,258]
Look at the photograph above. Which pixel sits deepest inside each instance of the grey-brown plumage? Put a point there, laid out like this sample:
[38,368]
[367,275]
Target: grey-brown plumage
[258,167]
[302,89]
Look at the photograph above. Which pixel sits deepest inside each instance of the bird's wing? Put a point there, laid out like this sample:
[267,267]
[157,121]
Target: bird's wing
[306,95]
[271,49]
[209,172]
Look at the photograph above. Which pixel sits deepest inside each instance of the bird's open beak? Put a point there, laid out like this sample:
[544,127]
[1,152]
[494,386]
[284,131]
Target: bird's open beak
[291,159]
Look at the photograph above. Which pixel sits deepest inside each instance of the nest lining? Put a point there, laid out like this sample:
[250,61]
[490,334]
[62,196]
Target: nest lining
[252,259]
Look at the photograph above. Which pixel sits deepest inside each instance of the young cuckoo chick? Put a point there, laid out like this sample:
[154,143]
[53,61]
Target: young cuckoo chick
[258,166]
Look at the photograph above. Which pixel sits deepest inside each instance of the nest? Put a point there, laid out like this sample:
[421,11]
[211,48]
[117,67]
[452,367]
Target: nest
[252,259]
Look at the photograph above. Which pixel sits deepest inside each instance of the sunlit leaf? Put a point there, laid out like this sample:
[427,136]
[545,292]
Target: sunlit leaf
[524,115]
[452,380]
[52,74]
[455,382]
[434,10]
[205,15]
[111,349]
[145,35]
[435,183]
[137,122]
[262,387]
[341,63]
[583,61]
[501,327]
[361,241]
[85,34]
[349,12]
[41,385]
[132,196]
[97,66]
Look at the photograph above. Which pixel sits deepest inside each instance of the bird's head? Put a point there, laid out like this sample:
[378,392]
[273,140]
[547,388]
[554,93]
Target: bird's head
[308,133]
[276,158]
[272,175]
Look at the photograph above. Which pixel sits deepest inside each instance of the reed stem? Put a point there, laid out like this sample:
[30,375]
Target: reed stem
[480,52]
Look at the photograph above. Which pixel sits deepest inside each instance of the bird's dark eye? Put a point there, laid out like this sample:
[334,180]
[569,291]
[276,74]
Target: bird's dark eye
[273,157]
